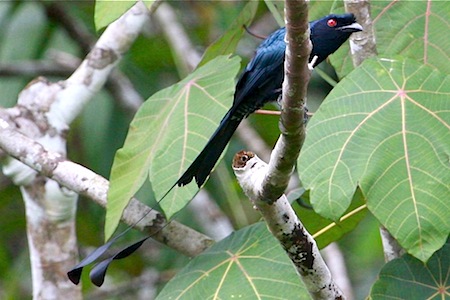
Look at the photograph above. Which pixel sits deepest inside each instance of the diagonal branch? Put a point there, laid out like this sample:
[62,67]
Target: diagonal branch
[185,56]
[284,224]
[85,182]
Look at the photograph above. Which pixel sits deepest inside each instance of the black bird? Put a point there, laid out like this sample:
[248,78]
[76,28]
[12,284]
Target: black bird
[261,82]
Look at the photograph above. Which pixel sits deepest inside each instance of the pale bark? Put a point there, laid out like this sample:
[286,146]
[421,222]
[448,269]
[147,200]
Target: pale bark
[43,113]
[363,43]
[73,177]
[287,228]
[185,55]
[334,258]
[391,247]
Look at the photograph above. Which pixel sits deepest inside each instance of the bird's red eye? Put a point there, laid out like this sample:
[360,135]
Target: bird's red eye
[332,22]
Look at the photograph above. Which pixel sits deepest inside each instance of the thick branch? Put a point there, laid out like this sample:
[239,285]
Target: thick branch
[264,184]
[287,228]
[85,182]
[297,75]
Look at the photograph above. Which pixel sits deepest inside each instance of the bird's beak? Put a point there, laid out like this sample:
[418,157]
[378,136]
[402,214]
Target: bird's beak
[354,27]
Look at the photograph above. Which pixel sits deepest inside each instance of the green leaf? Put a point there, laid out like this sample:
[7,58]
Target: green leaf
[386,128]
[107,11]
[249,264]
[409,278]
[165,136]
[228,42]
[414,29]
[325,231]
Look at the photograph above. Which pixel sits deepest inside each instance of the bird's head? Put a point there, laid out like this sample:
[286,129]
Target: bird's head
[330,32]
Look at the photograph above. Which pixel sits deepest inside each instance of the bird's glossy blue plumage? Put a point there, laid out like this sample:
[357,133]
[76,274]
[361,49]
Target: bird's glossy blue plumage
[261,82]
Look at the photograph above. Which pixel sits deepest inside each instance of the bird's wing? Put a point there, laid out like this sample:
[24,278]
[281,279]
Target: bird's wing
[260,76]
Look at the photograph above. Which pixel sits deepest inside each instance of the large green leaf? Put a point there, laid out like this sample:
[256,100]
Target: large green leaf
[228,42]
[409,278]
[317,9]
[386,128]
[165,136]
[249,264]
[107,11]
[414,29]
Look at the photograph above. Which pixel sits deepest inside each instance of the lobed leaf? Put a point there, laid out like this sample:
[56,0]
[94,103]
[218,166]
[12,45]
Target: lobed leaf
[248,264]
[385,128]
[409,278]
[414,29]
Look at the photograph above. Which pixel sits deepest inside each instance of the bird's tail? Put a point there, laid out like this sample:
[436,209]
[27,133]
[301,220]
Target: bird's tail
[202,166]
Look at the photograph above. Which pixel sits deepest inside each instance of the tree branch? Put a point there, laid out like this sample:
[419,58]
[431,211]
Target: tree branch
[362,44]
[85,182]
[264,184]
[34,69]
[287,228]
[391,247]
[297,75]
[334,258]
